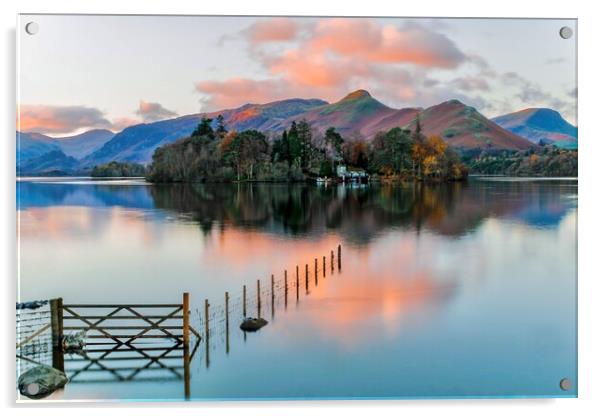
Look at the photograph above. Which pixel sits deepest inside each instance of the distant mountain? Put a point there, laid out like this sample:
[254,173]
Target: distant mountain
[356,115]
[138,143]
[466,129]
[540,125]
[32,145]
[83,144]
[54,162]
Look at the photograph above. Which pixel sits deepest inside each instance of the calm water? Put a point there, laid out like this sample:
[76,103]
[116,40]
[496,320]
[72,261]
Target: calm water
[445,291]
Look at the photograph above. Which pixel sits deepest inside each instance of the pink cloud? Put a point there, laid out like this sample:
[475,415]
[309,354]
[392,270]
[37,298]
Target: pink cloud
[59,119]
[365,39]
[235,92]
[330,57]
[316,69]
[153,111]
[272,30]
[121,123]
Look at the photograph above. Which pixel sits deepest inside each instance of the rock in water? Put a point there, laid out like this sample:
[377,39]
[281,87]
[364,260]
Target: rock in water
[41,381]
[74,343]
[253,324]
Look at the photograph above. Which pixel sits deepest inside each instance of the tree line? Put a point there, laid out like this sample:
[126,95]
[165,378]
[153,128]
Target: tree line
[118,169]
[213,153]
[548,161]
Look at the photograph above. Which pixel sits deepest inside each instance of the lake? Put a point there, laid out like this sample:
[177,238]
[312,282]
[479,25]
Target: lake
[452,290]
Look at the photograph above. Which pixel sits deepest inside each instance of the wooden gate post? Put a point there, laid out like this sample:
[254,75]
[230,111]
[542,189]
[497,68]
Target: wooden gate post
[186,318]
[56,323]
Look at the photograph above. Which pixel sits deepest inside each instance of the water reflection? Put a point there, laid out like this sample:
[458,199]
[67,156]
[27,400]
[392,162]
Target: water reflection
[360,214]
[485,269]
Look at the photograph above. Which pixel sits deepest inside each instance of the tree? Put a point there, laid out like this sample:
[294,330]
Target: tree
[391,152]
[334,148]
[280,150]
[295,145]
[305,137]
[355,153]
[248,148]
[220,130]
[334,142]
[204,129]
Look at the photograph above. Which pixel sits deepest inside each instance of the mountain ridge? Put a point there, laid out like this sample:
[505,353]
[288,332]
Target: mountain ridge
[540,125]
[463,127]
[356,115]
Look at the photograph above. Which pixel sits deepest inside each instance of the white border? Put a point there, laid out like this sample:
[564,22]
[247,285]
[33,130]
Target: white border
[590,287]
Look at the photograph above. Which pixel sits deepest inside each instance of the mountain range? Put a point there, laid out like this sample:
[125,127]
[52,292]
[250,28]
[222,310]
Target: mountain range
[541,126]
[356,115]
[38,153]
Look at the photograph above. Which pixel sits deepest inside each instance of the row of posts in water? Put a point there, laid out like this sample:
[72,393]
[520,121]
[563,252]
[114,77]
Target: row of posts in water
[296,285]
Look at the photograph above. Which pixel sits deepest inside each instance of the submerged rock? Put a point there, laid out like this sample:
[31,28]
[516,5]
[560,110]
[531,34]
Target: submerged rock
[74,343]
[41,381]
[253,324]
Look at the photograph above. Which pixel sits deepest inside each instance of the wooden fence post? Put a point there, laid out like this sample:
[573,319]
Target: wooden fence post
[227,298]
[272,289]
[244,301]
[306,278]
[258,299]
[285,289]
[186,339]
[207,333]
[339,256]
[297,284]
[316,271]
[331,260]
[56,323]
[324,266]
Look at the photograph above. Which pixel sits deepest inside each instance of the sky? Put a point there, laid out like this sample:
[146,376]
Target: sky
[83,72]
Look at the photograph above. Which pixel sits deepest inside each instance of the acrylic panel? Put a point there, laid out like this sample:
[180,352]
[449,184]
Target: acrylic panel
[228,208]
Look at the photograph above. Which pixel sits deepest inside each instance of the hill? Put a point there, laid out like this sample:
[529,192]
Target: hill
[33,145]
[51,163]
[355,114]
[138,143]
[540,125]
[465,129]
[83,144]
